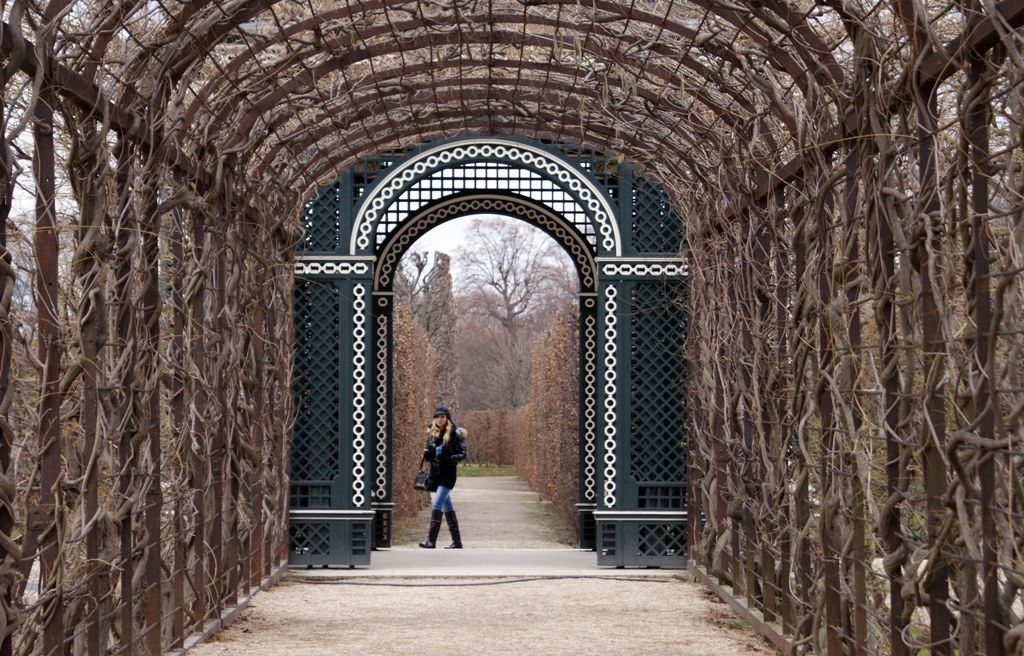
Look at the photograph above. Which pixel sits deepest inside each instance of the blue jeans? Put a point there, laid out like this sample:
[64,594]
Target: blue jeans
[443,499]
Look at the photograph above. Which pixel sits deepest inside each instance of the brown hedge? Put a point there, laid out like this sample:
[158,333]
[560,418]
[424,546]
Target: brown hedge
[412,399]
[541,437]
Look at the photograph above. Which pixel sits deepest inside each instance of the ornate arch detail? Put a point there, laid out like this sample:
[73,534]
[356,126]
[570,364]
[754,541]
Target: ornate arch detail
[569,177]
[487,203]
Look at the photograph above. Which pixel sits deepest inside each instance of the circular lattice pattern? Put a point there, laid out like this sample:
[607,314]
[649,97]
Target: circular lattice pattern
[330,268]
[590,407]
[509,206]
[610,389]
[382,405]
[454,154]
[358,394]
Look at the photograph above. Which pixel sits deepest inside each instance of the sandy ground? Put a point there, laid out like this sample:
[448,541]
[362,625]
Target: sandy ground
[603,617]
[453,617]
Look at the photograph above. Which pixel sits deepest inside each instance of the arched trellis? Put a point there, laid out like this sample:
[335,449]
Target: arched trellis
[621,236]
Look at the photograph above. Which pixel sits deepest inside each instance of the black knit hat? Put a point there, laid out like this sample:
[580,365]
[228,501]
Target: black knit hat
[441,410]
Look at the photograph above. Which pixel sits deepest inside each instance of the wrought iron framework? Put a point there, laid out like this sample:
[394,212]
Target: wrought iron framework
[848,175]
[614,228]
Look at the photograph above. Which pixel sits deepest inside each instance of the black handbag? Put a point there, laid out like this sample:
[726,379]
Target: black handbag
[422,480]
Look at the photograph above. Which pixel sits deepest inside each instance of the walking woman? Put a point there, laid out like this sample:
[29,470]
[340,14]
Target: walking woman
[446,448]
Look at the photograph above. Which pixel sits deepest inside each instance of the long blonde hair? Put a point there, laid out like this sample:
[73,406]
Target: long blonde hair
[435,430]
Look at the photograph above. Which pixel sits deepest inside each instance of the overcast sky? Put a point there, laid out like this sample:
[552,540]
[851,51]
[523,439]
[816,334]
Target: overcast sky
[451,236]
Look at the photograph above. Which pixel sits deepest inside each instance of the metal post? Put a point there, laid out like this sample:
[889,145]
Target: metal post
[851,247]
[46,247]
[784,430]
[92,317]
[933,436]
[217,440]
[151,307]
[986,396]
[199,463]
[801,474]
[7,279]
[125,320]
[179,425]
[827,459]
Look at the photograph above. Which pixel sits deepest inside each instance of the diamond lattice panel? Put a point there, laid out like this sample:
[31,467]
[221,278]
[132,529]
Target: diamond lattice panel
[310,538]
[661,540]
[656,226]
[315,444]
[321,221]
[657,401]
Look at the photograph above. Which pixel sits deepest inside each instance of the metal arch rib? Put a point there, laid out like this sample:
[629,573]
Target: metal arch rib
[367,201]
[425,212]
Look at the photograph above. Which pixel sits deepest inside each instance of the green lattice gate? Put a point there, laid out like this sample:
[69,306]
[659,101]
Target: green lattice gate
[625,241]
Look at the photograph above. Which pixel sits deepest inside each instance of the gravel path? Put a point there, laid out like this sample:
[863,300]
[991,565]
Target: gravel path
[603,617]
[452,617]
[495,512]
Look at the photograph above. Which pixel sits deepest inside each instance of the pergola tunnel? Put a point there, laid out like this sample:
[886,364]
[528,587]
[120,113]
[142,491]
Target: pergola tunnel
[848,177]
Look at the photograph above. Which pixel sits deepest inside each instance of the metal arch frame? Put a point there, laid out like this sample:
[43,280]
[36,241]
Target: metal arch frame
[471,202]
[388,188]
[625,519]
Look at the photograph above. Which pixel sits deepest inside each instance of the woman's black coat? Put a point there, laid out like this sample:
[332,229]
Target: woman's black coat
[443,471]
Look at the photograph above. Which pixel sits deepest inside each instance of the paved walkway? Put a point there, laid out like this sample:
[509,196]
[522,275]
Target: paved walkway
[516,589]
[496,512]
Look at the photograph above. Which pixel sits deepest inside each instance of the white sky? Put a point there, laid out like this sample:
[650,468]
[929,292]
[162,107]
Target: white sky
[447,237]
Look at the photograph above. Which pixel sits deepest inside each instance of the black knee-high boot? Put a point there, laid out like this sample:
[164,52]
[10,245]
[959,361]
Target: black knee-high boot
[435,526]
[453,528]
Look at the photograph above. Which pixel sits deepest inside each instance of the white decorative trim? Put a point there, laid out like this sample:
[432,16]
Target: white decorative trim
[594,202]
[610,391]
[313,268]
[326,513]
[666,516]
[359,310]
[633,259]
[565,234]
[382,406]
[590,407]
[323,257]
[652,269]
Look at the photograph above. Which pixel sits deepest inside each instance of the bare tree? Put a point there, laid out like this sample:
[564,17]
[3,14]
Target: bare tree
[425,288]
[436,313]
[509,268]
[510,273]
[409,281]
